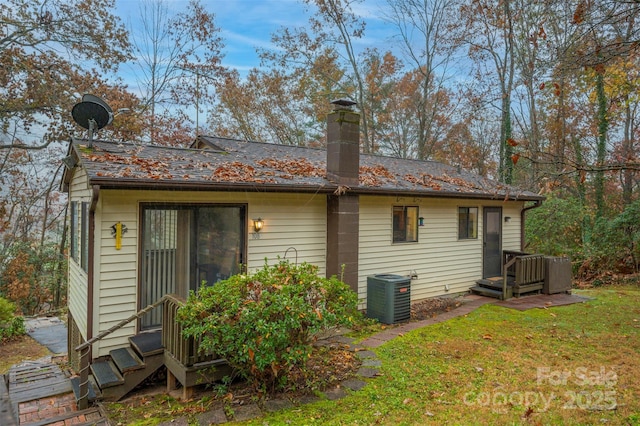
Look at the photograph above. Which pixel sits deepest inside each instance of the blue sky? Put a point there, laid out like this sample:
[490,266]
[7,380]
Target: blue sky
[247,24]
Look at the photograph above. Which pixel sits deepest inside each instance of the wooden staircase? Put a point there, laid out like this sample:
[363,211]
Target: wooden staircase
[521,273]
[125,368]
[492,287]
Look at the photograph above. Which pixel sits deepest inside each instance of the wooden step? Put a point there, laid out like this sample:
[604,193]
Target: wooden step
[134,378]
[75,384]
[126,360]
[147,344]
[484,291]
[106,374]
[491,282]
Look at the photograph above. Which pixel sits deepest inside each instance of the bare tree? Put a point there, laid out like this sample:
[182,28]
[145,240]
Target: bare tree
[427,30]
[489,35]
[178,62]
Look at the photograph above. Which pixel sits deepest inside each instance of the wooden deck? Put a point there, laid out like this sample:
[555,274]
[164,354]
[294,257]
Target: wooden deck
[36,380]
[39,394]
[522,273]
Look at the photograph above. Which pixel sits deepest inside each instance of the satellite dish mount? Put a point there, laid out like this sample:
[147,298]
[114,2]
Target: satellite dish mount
[93,114]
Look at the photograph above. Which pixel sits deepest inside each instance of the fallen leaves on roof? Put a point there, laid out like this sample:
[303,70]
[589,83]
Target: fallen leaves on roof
[459,182]
[374,175]
[243,167]
[425,180]
[292,167]
[154,169]
[236,171]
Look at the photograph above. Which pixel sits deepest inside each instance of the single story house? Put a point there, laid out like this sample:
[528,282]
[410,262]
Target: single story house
[151,220]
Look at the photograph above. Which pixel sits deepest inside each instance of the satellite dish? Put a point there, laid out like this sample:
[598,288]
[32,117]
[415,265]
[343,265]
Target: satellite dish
[92,113]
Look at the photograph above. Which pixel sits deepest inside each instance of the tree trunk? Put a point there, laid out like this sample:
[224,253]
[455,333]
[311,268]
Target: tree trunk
[57,273]
[601,149]
[627,154]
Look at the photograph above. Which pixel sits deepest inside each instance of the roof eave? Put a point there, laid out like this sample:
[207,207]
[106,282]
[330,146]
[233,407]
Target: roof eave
[207,186]
[67,174]
[450,194]
[122,183]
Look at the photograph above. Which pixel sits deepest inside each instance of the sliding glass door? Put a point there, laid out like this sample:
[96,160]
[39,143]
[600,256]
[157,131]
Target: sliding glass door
[185,247]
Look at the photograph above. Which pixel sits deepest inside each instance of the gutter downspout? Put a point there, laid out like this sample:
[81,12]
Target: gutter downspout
[86,354]
[537,204]
[95,189]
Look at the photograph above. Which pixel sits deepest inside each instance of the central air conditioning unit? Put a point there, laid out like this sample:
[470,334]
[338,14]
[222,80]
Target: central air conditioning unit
[389,298]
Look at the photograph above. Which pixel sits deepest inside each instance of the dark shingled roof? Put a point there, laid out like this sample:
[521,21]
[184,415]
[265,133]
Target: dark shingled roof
[228,164]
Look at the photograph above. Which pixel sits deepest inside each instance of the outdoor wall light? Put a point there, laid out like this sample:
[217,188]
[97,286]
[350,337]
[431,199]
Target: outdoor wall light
[258,224]
[507,219]
[421,221]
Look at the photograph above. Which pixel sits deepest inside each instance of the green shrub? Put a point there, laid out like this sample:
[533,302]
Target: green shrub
[556,227]
[263,324]
[10,325]
[7,309]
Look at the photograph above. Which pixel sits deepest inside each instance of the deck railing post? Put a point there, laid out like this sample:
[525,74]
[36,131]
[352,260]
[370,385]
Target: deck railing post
[83,391]
[505,275]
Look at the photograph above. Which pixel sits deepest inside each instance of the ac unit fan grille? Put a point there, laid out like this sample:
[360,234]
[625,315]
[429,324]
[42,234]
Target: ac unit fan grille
[389,298]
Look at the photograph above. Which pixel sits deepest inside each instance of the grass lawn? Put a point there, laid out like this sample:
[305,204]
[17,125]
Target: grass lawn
[577,364]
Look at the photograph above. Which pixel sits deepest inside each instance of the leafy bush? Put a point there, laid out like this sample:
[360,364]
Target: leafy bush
[10,326]
[263,324]
[7,310]
[14,328]
[556,227]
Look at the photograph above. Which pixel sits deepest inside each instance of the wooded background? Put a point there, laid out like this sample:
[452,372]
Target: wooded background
[542,95]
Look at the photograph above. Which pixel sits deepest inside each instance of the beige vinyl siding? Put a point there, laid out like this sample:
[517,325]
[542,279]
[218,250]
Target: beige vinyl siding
[511,229]
[291,220]
[77,287]
[439,258]
[294,222]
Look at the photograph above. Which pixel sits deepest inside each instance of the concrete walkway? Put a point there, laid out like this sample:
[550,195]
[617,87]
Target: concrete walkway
[48,331]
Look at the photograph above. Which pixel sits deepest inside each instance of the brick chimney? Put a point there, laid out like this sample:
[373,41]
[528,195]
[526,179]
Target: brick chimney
[343,143]
[343,207]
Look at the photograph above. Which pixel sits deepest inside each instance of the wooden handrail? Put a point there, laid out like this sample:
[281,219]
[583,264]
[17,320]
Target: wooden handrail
[122,323]
[185,350]
[83,400]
